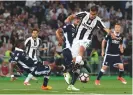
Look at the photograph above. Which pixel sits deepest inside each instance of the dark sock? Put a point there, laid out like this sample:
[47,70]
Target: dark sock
[71,73]
[99,75]
[121,73]
[45,82]
[86,66]
[74,78]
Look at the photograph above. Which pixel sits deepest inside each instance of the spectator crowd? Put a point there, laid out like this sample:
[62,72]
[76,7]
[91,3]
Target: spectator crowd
[17,18]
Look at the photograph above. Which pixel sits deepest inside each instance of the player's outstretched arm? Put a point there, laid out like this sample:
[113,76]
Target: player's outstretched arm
[70,18]
[110,33]
[59,35]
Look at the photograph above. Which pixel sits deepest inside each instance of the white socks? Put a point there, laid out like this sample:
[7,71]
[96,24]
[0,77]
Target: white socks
[78,59]
[28,77]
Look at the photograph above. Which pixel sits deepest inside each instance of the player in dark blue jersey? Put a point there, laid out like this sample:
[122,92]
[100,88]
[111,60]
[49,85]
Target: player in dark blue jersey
[112,54]
[24,62]
[65,36]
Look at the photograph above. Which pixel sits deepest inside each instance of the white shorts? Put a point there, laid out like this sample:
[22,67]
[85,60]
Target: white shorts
[76,45]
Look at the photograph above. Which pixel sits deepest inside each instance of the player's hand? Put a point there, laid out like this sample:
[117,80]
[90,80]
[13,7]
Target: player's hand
[113,35]
[67,21]
[45,48]
[102,54]
[60,42]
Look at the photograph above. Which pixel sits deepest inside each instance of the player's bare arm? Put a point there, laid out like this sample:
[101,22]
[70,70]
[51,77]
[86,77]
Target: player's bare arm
[59,36]
[103,47]
[70,18]
[121,48]
[43,49]
[108,31]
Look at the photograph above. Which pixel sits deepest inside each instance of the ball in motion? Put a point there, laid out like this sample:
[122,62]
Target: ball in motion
[84,77]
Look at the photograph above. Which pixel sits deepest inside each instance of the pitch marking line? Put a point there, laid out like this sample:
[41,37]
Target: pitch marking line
[29,89]
[19,89]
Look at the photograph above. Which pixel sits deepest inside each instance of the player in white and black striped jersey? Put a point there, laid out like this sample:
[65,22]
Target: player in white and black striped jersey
[33,45]
[89,21]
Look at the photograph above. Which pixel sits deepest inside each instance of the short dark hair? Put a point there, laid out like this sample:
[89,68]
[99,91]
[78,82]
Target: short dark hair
[117,24]
[94,8]
[35,30]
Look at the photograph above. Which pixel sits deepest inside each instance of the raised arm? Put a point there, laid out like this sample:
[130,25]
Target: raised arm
[101,25]
[59,36]
[73,16]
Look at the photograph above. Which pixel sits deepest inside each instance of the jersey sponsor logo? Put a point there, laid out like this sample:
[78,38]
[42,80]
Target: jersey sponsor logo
[115,41]
[34,47]
[86,26]
[42,72]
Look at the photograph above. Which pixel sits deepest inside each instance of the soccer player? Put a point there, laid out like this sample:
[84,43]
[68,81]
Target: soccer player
[89,20]
[32,45]
[112,54]
[83,38]
[65,36]
[24,62]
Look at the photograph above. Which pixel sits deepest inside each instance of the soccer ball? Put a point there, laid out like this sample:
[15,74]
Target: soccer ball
[84,78]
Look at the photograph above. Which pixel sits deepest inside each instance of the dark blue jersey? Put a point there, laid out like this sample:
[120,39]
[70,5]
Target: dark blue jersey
[112,47]
[23,60]
[69,32]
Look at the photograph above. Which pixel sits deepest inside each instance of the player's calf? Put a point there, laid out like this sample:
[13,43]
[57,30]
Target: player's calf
[45,84]
[97,81]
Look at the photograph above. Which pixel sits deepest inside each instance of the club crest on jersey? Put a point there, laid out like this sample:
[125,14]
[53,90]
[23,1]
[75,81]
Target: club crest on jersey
[86,26]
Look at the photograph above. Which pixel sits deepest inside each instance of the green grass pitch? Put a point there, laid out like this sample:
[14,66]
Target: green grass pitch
[109,85]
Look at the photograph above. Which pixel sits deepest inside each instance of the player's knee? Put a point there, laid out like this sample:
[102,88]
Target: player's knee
[78,59]
[121,69]
[102,70]
[47,77]
[82,48]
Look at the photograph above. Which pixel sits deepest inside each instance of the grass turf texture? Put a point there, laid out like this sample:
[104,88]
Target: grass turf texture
[109,85]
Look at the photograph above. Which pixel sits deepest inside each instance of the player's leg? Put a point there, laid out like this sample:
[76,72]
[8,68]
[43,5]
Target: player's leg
[82,48]
[86,66]
[45,84]
[121,70]
[79,58]
[103,69]
[43,70]
[75,75]
[28,78]
[77,51]
[68,64]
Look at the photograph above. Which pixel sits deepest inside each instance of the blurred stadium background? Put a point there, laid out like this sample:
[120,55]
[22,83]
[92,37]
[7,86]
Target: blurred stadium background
[17,18]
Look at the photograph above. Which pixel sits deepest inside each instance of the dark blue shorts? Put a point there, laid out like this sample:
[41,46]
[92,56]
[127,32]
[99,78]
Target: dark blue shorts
[67,57]
[42,70]
[111,60]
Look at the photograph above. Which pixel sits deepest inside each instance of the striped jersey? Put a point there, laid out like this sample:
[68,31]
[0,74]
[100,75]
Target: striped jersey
[87,26]
[32,46]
